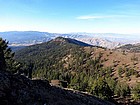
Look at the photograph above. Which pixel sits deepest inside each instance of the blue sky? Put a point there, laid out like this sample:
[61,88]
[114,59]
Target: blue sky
[96,16]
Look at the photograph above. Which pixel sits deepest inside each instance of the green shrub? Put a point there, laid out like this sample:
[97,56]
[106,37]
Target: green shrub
[135,91]
[122,89]
[101,89]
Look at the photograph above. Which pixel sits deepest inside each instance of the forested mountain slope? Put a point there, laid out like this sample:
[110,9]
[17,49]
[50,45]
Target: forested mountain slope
[96,70]
[17,89]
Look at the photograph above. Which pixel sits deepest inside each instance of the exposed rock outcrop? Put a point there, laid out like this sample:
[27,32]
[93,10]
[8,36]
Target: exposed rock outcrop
[19,90]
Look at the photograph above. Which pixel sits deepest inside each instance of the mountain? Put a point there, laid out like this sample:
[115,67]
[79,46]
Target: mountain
[72,41]
[83,67]
[58,47]
[66,52]
[130,47]
[18,38]
[100,42]
[17,89]
[26,38]
[16,48]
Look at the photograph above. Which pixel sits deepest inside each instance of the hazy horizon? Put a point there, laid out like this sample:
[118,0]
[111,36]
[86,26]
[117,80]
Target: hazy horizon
[70,32]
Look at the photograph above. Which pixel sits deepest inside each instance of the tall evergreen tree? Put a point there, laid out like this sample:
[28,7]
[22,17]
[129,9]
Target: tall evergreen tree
[101,89]
[2,60]
[7,58]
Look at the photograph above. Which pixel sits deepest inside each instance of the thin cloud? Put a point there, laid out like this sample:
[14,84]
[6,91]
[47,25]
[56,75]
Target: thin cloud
[90,17]
[99,17]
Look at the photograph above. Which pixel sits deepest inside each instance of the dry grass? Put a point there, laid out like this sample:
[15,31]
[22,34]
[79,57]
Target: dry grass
[118,59]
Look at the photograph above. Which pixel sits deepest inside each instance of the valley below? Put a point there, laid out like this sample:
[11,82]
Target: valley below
[108,40]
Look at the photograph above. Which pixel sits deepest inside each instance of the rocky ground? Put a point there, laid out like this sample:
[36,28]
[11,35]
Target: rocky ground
[19,90]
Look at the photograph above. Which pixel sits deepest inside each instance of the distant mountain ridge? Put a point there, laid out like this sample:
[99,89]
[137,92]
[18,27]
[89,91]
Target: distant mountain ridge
[26,38]
[100,42]
[130,47]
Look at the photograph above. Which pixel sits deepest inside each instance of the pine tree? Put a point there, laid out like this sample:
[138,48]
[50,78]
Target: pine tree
[122,89]
[2,60]
[101,89]
[7,58]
